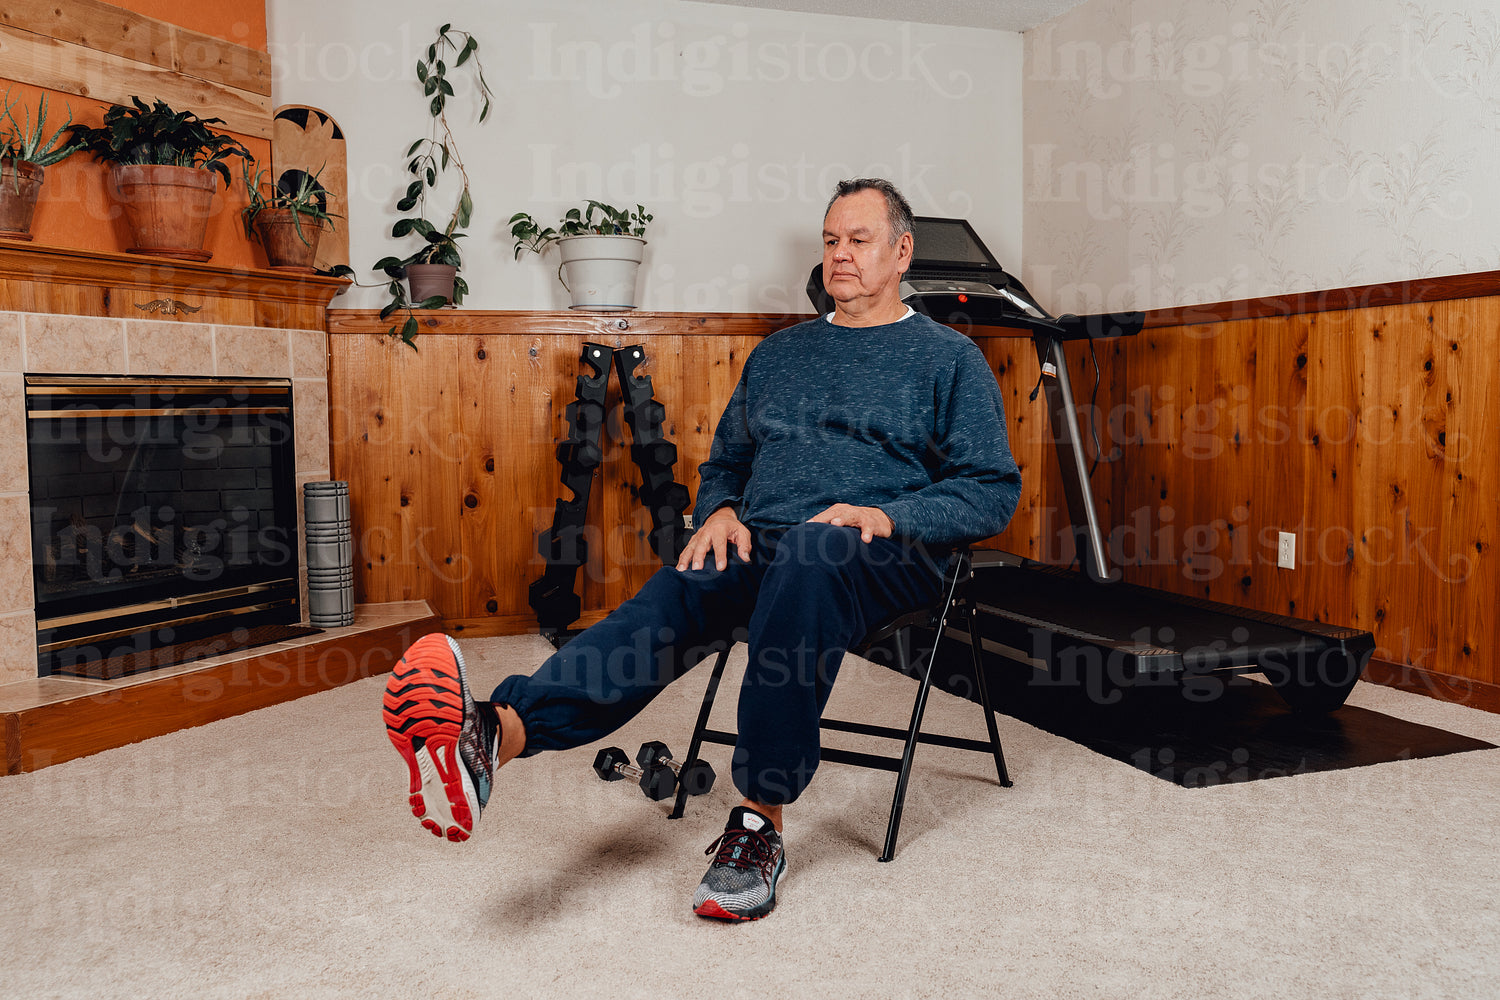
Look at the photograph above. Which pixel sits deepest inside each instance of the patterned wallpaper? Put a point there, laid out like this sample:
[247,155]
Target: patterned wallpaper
[1185,151]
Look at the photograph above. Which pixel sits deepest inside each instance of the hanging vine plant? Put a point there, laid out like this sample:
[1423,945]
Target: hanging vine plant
[427,160]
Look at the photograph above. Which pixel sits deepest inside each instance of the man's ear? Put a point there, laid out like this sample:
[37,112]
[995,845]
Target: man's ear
[904,250]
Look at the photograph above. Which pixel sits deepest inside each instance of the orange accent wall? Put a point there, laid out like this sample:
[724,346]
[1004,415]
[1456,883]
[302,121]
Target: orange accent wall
[232,20]
[76,209]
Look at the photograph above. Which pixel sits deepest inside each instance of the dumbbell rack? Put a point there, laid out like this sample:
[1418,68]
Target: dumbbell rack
[553,596]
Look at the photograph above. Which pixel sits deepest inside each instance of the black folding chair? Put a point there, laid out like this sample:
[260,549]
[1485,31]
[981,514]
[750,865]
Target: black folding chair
[936,617]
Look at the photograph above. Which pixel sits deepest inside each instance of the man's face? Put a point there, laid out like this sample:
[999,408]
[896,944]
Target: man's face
[858,258]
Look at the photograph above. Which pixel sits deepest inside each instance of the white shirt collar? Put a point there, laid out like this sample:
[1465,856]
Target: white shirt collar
[910,312]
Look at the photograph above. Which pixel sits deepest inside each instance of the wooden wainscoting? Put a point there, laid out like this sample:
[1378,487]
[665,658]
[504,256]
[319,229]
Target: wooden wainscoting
[1360,420]
[450,450]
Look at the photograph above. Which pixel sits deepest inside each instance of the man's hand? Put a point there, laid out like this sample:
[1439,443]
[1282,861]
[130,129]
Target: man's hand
[872,522]
[721,530]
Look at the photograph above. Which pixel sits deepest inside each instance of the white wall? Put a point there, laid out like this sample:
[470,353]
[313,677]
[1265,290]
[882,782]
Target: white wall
[1185,152]
[729,124]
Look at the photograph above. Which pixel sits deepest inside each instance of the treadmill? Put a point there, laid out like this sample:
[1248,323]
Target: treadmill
[1086,626]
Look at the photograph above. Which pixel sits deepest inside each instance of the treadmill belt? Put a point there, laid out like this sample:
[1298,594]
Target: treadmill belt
[1205,634]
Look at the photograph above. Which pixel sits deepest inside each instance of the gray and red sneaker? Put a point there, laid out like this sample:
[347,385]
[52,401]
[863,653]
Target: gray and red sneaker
[449,742]
[748,860]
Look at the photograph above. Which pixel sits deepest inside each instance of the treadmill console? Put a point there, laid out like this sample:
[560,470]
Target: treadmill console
[917,286]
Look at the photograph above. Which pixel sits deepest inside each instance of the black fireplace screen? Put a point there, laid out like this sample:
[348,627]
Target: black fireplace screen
[162,510]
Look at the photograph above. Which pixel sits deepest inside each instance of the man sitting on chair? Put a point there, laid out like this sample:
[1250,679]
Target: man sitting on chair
[856,451]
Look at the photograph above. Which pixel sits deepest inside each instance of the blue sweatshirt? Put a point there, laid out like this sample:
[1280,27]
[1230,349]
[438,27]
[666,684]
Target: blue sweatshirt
[905,417]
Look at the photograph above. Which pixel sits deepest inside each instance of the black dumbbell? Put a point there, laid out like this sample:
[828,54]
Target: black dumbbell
[658,781]
[697,777]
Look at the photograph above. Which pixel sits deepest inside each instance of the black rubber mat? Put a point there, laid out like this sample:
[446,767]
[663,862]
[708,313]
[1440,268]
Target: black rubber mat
[1244,732]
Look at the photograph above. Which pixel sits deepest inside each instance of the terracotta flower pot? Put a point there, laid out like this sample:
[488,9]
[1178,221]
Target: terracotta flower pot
[20,184]
[427,280]
[287,248]
[167,208]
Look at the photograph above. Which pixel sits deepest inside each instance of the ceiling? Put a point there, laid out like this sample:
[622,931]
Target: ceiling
[1003,15]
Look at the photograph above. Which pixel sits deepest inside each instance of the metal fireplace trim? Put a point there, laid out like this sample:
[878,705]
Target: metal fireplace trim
[74,385]
[156,620]
[270,587]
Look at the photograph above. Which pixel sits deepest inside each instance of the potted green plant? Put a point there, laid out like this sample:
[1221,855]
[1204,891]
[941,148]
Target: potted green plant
[432,269]
[601,248]
[287,219]
[165,168]
[26,150]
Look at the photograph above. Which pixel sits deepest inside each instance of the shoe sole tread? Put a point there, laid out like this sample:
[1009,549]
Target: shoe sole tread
[425,731]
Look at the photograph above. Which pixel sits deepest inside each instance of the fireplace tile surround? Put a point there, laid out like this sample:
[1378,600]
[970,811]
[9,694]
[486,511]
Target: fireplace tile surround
[67,310]
[95,345]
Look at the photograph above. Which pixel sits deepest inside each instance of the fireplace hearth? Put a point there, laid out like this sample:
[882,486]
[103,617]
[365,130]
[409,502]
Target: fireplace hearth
[163,514]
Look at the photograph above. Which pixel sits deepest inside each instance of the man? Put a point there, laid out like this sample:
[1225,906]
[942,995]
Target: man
[857,449]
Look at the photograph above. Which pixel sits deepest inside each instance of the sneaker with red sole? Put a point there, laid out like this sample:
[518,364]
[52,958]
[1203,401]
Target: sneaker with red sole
[748,861]
[449,742]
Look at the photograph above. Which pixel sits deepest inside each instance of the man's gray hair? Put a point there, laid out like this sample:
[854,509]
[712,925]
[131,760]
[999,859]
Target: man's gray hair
[897,211]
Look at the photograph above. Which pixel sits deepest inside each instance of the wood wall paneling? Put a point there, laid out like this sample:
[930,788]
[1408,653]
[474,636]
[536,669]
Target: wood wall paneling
[487,483]
[229,20]
[502,382]
[1398,504]
[1361,431]
[397,414]
[1440,288]
[604,328]
[93,25]
[99,75]
[1358,430]
[1471,345]
[1015,365]
[123,30]
[135,37]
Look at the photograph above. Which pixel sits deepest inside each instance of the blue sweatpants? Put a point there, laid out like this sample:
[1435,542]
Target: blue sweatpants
[805,596]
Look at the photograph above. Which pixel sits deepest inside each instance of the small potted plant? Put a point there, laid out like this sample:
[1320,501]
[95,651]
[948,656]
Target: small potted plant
[431,270]
[165,171]
[601,248]
[26,150]
[287,219]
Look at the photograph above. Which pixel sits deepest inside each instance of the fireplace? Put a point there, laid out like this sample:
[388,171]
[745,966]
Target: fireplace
[163,514]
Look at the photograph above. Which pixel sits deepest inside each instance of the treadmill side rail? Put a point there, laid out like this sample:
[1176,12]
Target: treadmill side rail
[1088,537]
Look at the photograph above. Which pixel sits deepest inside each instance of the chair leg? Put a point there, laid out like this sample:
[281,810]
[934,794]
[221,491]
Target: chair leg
[984,696]
[709,694]
[893,827]
[919,707]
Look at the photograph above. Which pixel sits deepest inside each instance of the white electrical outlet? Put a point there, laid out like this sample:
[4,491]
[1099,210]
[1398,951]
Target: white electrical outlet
[1286,550]
[687,521]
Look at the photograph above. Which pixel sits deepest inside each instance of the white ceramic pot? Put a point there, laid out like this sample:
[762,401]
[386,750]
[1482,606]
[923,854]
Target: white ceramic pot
[599,272]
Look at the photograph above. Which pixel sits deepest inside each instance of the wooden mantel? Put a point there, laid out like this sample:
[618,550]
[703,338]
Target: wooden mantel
[49,279]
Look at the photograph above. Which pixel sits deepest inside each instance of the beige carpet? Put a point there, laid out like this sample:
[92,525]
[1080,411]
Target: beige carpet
[271,855]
